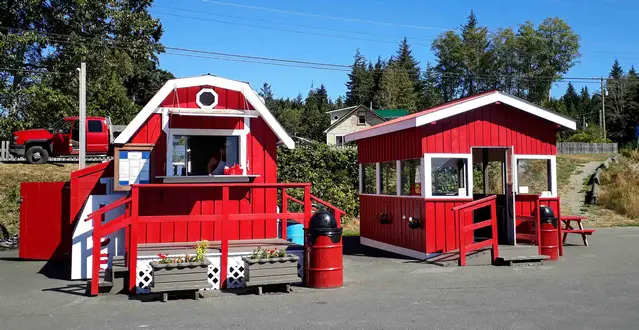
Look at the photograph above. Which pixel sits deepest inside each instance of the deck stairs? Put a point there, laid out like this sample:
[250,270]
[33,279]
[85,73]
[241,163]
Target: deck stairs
[113,280]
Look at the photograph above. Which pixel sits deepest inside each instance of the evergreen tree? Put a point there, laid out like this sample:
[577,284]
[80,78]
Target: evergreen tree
[616,102]
[571,100]
[404,59]
[266,92]
[360,84]
[475,55]
[431,94]
[314,117]
[396,90]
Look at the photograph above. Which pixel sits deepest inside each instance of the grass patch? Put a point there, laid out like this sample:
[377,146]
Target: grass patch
[351,227]
[620,186]
[11,175]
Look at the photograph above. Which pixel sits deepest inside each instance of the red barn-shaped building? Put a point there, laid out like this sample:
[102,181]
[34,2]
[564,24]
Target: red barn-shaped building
[198,162]
[466,175]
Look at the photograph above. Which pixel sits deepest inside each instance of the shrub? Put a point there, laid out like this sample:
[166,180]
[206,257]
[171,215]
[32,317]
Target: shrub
[620,186]
[332,171]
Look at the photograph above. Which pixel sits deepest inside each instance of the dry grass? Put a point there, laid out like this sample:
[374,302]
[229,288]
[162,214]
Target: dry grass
[351,227]
[11,175]
[620,186]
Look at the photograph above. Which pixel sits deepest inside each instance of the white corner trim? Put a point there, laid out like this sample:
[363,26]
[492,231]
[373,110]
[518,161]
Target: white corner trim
[396,249]
[461,107]
[398,178]
[206,90]
[361,178]
[249,94]
[378,181]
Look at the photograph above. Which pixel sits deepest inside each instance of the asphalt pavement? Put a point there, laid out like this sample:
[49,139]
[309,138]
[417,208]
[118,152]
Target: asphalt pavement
[595,287]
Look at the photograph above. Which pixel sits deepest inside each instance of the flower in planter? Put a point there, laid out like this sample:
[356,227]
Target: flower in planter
[260,253]
[200,251]
[164,259]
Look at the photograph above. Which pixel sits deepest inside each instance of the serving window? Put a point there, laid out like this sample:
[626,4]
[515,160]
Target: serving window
[448,175]
[203,152]
[536,175]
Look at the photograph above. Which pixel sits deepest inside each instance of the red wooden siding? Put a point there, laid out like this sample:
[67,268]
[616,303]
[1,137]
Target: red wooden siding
[388,147]
[441,229]
[261,159]
[185,98]
[397,232]
[86,182]
[45,230]
[526,208]
[151,132]
[495,125]
[437,234]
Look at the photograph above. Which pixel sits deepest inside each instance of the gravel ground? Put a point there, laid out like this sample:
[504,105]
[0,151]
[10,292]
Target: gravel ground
[573,194]
[590,288]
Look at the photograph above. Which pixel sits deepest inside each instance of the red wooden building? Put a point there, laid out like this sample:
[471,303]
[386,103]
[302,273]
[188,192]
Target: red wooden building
[158,194]
[458,175]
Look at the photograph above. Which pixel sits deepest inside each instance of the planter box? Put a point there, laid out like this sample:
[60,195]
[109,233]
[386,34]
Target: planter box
[180,277]
[259,272]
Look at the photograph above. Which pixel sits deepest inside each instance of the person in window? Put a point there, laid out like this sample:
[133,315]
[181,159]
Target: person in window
[217,162]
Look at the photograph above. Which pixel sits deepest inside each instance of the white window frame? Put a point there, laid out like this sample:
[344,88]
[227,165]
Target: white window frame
[553,171]
[242,134]
[379,177]
[428,179]
[206,90]
[378,182]
[421,178]
[343,140]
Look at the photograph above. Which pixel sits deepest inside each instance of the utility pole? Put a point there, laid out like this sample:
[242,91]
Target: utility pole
[602,116]
[83,115]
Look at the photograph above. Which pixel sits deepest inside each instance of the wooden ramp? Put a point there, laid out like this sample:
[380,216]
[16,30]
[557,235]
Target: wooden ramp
[508,255]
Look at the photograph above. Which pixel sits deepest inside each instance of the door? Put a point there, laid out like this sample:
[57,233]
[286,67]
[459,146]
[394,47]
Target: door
[45,229]
[97,137]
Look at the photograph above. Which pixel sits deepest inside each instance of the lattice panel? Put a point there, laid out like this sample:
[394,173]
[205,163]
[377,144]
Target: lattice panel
[144,276]
[235,275]
[235,272]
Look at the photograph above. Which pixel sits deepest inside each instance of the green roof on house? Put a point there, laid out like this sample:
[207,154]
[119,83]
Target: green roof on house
[391,113]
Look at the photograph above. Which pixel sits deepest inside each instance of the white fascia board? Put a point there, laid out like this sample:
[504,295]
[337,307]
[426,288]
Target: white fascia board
[244,88]
[457,109]
[538,111]
[374,131]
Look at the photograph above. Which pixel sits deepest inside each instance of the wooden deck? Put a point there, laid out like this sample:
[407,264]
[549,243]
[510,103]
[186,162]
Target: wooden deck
[235,246]
[508,255]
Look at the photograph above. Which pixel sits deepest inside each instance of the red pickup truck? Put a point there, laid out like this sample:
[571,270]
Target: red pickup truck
[62,139]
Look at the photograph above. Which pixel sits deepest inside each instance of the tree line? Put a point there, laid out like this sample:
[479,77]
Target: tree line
[43,42]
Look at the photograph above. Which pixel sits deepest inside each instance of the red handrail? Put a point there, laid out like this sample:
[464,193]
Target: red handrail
[131,219]
[534,218]
[336,211]
[460,213]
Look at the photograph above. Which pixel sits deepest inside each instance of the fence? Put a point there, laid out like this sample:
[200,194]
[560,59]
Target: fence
[6,157]
[586,148]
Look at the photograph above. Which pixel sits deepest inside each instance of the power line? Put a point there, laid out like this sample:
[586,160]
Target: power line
[291,24]
[316,65]
[326,16]
[36,71]
[280,29]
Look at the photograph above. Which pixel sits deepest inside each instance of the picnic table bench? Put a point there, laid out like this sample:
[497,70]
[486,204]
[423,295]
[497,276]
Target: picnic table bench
[569,229]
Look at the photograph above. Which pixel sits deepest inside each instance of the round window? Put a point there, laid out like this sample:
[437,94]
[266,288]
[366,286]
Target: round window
[335,117]
[206,98]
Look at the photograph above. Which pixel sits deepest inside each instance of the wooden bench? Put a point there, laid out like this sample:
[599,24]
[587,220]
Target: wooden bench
[568,228]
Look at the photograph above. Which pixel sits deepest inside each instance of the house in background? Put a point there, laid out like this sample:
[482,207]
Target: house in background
[355,118]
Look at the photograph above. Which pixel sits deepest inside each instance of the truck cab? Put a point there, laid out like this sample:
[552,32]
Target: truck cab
[62,139]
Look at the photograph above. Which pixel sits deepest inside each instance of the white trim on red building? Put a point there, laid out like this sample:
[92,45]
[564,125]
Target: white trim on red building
[249,94]
[457,107]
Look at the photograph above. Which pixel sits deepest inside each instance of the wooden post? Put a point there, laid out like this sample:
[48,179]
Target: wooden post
[307,205]
[538,224]
[495,239]
[95,255]
[284,221]
[133,240]
[225,240]
[462,239]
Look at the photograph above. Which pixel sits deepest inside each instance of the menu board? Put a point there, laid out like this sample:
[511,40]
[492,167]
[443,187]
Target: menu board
[132,166]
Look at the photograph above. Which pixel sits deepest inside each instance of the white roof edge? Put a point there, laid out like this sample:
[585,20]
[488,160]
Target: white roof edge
[462,107]
[248,92]
[346,108]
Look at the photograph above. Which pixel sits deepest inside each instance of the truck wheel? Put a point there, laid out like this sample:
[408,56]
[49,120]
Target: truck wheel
[37,155]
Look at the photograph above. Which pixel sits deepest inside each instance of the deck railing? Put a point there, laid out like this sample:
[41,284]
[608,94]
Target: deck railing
[285,202]
[462,213]
[131,219]
[533,219]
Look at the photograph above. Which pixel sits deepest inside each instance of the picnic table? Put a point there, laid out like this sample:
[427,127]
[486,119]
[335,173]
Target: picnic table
[569,229]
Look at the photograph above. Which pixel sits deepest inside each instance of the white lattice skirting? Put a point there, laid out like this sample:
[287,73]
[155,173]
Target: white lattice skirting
[235,271]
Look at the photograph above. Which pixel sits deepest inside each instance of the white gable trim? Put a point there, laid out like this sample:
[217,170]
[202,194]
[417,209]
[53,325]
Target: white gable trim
[169,86]
[462,107]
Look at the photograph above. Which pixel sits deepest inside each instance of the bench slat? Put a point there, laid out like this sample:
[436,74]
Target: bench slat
[578,231]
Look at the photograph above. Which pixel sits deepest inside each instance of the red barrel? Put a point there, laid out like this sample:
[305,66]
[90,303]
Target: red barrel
[323,263]
[549,233]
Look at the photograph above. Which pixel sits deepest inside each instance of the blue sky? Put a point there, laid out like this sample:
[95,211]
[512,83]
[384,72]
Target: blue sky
[607,28]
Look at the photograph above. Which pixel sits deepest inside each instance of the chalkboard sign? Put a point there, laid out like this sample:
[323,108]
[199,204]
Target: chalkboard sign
[132,165]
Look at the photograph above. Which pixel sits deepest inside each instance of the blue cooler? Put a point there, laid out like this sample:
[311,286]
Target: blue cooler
[295,232]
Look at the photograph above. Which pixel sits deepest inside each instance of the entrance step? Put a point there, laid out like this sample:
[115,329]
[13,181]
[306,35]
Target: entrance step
[451,259]
[510,255]
[113,280]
